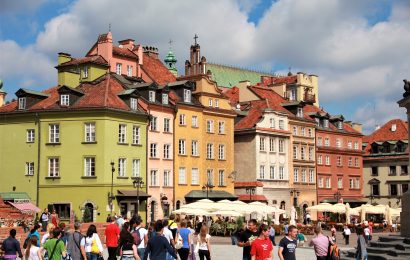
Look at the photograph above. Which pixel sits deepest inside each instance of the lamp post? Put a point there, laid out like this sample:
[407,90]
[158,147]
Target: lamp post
[111,194]
[251,191]
[337,196]
[138,183]
[295,194]
[207,187]
[371,197]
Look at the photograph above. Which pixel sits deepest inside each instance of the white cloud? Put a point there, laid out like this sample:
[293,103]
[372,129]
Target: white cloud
[19,6]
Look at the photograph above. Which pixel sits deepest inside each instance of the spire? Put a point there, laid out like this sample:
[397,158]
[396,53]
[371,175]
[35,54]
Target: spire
[170,60]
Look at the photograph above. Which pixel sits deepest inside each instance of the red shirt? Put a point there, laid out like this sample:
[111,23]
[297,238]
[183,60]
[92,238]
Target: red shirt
[261,249]
[111,235]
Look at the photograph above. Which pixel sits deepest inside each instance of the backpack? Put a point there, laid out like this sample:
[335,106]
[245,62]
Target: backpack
[137,236]
[26,241]
[333,252]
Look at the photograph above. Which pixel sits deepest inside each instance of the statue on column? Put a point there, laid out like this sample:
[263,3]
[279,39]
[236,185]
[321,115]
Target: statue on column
[406,88]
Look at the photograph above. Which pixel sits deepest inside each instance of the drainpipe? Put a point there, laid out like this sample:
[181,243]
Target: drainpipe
[173,157]
[38,123]
[147,159]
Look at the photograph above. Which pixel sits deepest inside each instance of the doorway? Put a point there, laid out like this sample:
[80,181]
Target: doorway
[153,205]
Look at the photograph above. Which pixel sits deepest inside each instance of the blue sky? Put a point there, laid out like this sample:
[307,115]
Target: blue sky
[359,49]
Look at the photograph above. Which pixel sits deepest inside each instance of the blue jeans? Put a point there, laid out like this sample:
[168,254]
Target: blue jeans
[234,240]
[141,252]
[364,257]
[128,258]
[169,257]
[92,256]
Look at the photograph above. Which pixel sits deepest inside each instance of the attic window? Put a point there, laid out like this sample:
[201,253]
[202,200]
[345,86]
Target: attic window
[326,123]
[299,112]
[340,125]
[210,102]
[165,99]
[65,100]
[22,103]
[187,96]
[217,103]
[134,103]
[85,72]
[393,128]
[118,69]
[317,121]
[151,96]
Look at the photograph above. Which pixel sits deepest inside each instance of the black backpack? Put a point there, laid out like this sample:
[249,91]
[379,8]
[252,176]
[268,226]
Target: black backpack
[26,241]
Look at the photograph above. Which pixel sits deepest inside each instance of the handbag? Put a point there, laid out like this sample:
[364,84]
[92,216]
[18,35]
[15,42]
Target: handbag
[94,247]
[179,244]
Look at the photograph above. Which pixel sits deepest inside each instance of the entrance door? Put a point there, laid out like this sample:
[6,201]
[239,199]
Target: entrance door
[90,208]
[123,209]
[153,210]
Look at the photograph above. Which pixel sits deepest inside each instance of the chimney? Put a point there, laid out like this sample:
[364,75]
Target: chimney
[127,43]
[2,94]
[151,51]
[104,47]
[63,58]
[358,127]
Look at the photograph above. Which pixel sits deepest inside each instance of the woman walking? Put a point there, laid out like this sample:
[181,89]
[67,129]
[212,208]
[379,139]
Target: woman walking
[11,246]
[361,253]
[204,244]
[128,250]
[31,252]
[185,234]
[93,246]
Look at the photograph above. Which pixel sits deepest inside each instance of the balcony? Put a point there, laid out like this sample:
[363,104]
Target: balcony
[309,98]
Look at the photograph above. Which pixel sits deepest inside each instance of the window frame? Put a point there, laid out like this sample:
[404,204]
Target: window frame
[89,132]
[89,166]
[64,100]
[54,133]
[30,135]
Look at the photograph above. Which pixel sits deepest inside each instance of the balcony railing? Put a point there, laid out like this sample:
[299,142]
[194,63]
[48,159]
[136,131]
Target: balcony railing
[310,98]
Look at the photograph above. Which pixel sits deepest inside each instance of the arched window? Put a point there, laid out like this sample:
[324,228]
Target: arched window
[178,206]
[283,205]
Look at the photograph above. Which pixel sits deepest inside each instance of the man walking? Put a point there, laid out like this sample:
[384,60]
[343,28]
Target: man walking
[44,218]
[320,243]
[262,247]
[11,246]
[288,244]
[75,244]
[168,235]
[346,234]
[142,232]
[247,237]
[112,232]
[272,233]
[158,245]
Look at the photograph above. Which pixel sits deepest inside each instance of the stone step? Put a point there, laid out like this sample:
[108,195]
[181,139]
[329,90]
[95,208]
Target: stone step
[389,251]
[392,244]
[391,238]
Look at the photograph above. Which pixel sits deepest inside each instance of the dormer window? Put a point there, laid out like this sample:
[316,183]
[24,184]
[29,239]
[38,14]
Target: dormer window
[165,99]
[299,112]
[210,102]
[22,103]
[340,125]
[326,123]
[129,70]
[317,121]
[118,68]
[217,103]
[134,103]
[187,96]
[151,96]
[65,100]
[85,72]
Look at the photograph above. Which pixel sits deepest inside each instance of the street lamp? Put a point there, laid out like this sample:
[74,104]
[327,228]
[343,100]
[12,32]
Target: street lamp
[371,197]
[111,196]
[337,196]
[251,191]
[138,182]
[207,187]
[295,194]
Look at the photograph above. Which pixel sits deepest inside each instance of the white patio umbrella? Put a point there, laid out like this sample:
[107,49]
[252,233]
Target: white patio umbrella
[191,211]
[338,208]
[210,206]
[323,207]
[226,213]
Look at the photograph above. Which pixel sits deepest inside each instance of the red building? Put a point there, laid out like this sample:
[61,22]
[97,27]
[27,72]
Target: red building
[339,158]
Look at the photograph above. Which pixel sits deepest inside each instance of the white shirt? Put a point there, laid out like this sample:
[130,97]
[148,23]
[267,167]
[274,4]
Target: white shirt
[89,241]
[33,253]
[142,232]
[44,238]
[347,231]
[367,231]
[203,245]
[167,234]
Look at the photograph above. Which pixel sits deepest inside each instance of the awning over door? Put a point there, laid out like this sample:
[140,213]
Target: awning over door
[26,207]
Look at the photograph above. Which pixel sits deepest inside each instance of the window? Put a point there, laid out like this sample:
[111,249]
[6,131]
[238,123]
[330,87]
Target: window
[404,188]
[319,159]
[357,183]
[327,142]
[122,133]
[281,145]
[392,171]
[165,99]
[310,132]
[295,175]
[295,152]
[181,147]
[303,175]
[217,103]
[133,104]
[167,151]
[221,152]
[89,129]
[281,125]
[320,183]
[154,177]
[262,172]
[272,172]
[54,133]
[85,72]
[327,160]
[194,148]
[281,173]
[328,184]
[62,209]
[272,122]
[350,162]
[326,123]
[167,125]
[153,124]
[136,134]
[129,70]
[349,144]
[89,166]
[271,144]
[30,168]
[356,145]
[375,190]
[151,96]
[30,135]
[221,175]
[221,127]
[53,167]
[209,151]
[181,176]
[135,167]
[339,183]
[210,102]
[299,112]
[118,68]
[302,153]
[182,119]
[351,183]
[404,170]
[340,125]
[319,141]
[393,189]
[22,103]
[195,176]
[295,130]
[209,126]
[339,161]
[261,144]
[65,100]
[187,96]
[122,163]
[210,176]
[167,178]
[302,131]
[375,171]
[153,150]
[338,143]
[356,162]
[194,122]
[311,176]
[311,153]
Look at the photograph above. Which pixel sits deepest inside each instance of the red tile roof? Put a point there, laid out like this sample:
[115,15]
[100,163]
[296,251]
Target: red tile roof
[267,80]
[274,99]
[124,52]
[156,70]
[244,184]
[253,116]
[384,133]
[96,59]
[232,94]
[247,197]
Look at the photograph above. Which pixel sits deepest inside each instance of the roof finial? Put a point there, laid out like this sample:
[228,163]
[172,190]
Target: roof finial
[170,43]
[109,27]
[195,38]
[290,71]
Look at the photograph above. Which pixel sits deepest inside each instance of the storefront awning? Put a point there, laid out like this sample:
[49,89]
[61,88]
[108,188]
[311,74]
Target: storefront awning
[26,207]
[246,197]
[349,200]
[212,195]
[11,196]
[132,194]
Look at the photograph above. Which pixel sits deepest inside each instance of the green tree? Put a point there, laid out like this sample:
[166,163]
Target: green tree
[87,215]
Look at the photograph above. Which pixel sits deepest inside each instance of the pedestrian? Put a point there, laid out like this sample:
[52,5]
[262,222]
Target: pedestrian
[11,246]
[112,233]
[189,226]
[333,233]
[204,243]
[109,219]
[34,232]
[44,218]
[54,246]
[346,234]
[158,245]
[173,226]
[247,237]
[54,218]
[92,244]
[128,249]
[168,235]
[48,234]
[31,252]
[142,233]
[272,233]
[185,234]
[262,247]
[286,228]
[308,218]
[320,244]
[361,251]
[288,244]
[366,233]
[76,243]
[120,221]
[301,239]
